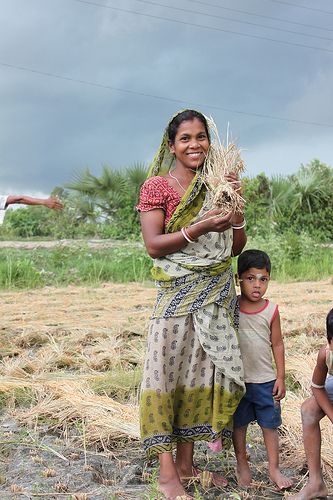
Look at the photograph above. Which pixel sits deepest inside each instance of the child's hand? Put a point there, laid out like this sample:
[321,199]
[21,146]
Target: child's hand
[279,389]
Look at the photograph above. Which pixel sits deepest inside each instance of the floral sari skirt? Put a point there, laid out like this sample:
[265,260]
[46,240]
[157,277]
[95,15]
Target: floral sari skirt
[184,396]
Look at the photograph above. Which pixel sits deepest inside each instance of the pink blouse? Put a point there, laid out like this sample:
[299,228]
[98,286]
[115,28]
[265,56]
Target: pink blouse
[156,192]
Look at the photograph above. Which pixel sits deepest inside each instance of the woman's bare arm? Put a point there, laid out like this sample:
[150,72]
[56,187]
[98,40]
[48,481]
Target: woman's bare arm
[159,244]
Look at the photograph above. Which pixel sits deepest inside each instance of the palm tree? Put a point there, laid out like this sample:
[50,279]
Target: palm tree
[309,189]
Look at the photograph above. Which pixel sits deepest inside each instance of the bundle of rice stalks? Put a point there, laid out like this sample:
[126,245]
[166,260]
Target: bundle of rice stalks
[220,161]
[73,404]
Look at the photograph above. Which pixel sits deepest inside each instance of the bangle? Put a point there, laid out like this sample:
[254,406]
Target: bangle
[239,226]
[186,235]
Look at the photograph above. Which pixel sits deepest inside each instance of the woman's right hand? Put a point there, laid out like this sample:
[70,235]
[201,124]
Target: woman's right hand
[211,221]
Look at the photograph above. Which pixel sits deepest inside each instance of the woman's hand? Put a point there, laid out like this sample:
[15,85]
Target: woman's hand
[233,178]
[213,220]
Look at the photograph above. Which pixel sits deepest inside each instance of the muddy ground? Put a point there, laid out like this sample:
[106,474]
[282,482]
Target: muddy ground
[38,462]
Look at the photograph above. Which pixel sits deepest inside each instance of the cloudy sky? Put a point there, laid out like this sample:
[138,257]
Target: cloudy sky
[88,83]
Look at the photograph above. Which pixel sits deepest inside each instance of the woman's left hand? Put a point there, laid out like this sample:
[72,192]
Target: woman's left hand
[233,178]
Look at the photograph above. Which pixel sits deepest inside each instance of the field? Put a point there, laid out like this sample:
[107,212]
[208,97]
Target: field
[69,375]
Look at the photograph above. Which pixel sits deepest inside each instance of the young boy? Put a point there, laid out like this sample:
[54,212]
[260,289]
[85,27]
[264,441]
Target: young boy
[259,337]
[313,410]
[6,200]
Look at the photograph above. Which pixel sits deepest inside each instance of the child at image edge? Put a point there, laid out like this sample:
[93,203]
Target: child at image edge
[313,410]
[259,337]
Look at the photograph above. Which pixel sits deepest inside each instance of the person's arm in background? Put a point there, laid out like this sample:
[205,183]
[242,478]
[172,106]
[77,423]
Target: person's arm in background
[50,202]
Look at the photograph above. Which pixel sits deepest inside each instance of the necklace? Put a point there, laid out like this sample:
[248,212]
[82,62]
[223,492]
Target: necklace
[175,178]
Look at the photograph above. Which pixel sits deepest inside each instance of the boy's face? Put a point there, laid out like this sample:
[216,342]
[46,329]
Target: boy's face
[254,283]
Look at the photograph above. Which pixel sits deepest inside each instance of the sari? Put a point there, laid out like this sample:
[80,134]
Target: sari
[193,372]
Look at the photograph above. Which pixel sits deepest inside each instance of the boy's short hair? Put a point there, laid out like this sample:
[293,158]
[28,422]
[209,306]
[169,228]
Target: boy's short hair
[329,326]
[253,258]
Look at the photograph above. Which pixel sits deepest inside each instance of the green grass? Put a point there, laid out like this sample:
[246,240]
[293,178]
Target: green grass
[293,259]
[63,266]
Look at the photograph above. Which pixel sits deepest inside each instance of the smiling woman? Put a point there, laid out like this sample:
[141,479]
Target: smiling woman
[192,378]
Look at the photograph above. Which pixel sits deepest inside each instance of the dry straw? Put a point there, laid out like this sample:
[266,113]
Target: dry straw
[222,160]
[67,403]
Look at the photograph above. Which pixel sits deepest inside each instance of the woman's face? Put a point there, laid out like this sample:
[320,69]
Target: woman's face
[191,144]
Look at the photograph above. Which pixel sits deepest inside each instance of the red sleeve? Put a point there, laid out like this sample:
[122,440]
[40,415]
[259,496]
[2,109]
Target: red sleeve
[152,196]
[274,313]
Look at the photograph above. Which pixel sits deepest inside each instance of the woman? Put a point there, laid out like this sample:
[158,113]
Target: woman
[192,379]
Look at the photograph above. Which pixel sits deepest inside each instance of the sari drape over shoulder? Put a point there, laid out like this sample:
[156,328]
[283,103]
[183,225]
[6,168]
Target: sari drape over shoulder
[193,373]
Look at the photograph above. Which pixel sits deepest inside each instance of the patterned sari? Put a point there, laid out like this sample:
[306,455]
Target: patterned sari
[193,373]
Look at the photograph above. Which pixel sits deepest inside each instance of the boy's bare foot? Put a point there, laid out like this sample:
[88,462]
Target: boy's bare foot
[281,481]
[172,489]
[311,491]
[243,475]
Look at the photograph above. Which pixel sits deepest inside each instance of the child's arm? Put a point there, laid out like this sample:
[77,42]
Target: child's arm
[279,389]
[51,202]
[318,379]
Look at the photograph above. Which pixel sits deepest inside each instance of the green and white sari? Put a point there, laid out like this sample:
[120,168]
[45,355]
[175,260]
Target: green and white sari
[193,373]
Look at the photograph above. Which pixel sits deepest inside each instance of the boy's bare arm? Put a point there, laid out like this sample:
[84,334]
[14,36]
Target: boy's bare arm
[319,378]
[279,390]
[50,202]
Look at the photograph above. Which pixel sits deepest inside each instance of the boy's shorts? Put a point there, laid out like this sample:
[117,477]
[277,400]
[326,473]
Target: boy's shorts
[329,387]
[258,405]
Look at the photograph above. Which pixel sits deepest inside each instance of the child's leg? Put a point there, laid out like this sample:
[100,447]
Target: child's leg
[243,472]
[311,416]
[271,439]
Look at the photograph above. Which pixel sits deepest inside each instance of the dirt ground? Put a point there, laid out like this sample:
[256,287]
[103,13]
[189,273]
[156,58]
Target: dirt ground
[38,462]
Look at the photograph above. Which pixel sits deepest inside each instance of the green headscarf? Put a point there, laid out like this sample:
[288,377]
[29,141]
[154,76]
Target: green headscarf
[193,199]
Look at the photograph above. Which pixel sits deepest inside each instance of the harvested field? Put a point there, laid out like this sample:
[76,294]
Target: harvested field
[69,375]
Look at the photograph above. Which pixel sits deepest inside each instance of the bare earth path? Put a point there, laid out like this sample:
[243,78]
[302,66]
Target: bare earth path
[87,324]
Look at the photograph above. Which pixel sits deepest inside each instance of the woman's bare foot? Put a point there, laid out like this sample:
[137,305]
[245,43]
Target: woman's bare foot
[311,491]
[281,481]
[172,489]
[243,475]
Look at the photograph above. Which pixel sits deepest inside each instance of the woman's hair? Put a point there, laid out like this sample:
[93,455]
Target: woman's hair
[187,115]
[253,258]
[329,326]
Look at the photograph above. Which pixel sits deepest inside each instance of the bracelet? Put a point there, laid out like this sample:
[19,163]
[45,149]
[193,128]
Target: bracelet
[186,235]
[239,226]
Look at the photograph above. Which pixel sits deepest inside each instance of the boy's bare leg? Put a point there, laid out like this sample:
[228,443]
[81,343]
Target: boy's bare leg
[169,481]
[311,416]
[243,471]
[271,439]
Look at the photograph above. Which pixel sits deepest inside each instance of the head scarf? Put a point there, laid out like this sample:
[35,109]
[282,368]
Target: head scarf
[193,199]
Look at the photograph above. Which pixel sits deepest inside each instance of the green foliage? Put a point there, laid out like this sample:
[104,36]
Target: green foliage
[293,258]
[104,206]
[79,265]
[113,197]
[299,203]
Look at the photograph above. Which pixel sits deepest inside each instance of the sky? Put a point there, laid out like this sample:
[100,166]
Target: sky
[93,83]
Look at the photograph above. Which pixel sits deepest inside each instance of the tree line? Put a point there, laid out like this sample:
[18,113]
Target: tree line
[104,206]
